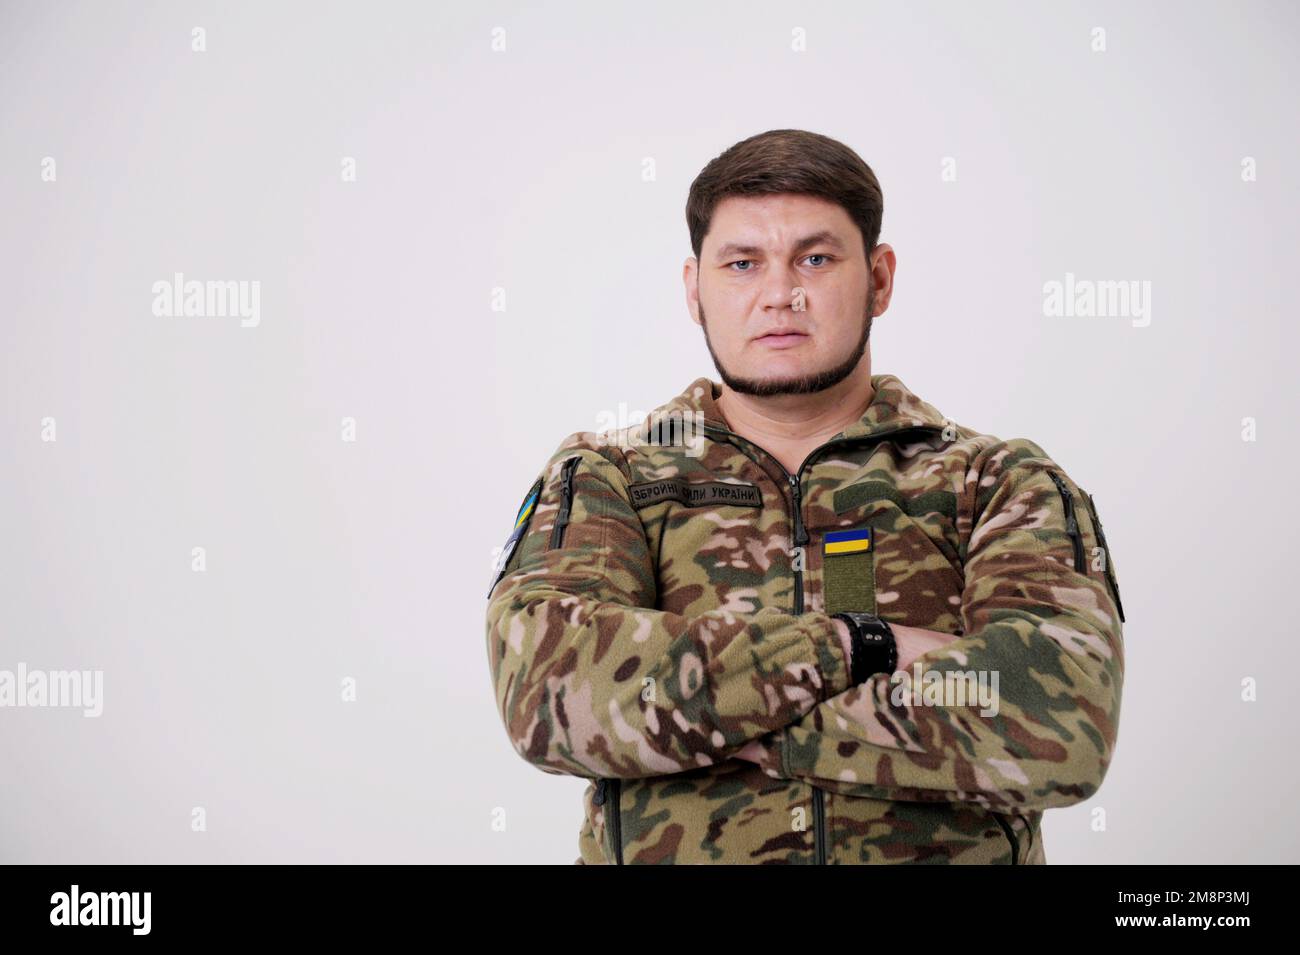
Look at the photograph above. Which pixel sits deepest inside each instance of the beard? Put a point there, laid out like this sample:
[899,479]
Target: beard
[798,384]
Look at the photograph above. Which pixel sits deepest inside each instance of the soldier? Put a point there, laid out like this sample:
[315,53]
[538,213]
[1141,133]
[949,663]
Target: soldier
[750,620]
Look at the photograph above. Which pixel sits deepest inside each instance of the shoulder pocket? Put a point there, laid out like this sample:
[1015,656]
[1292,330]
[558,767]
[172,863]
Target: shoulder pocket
[566,501]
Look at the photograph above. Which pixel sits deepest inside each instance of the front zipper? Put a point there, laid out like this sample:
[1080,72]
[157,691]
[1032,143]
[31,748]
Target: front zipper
[611,790]
[566,501]
[800,538]
[1071,521]
[1011,837]
[819,826]
[608,790]
[1110,574]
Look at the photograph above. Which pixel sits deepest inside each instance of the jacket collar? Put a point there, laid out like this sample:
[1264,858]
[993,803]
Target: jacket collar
[893,408]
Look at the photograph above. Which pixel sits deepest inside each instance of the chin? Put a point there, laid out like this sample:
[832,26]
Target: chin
[779,369]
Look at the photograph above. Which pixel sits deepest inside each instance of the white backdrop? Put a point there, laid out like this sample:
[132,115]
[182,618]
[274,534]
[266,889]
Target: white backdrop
[540,158]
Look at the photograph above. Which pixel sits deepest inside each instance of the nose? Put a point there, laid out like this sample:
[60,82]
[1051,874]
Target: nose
[779,287]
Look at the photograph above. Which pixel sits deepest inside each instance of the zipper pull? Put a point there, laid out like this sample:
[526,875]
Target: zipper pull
[1071,522]
[566,501]
[800,532]
[599,798]
[1067,500]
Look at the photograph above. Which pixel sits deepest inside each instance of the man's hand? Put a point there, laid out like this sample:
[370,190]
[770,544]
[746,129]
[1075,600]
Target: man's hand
[913,642]
[758,752]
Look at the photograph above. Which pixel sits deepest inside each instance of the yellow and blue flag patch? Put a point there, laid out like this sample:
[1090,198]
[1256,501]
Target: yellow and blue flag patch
[848,570]
[522,520]
[847,542]
[526,510]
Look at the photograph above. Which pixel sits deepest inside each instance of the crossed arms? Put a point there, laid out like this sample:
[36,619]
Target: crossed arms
[590,681]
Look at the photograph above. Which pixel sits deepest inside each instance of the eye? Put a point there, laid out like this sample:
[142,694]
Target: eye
[819,255]
[741,262]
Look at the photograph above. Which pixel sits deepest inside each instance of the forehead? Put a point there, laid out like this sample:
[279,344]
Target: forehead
[777,220]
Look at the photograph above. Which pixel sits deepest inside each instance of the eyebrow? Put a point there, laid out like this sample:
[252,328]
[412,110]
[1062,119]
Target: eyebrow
[817,238]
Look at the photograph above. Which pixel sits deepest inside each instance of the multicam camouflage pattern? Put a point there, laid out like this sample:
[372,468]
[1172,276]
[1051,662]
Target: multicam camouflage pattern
[640,645]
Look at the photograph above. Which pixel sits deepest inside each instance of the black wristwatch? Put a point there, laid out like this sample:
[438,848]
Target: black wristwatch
[874,648]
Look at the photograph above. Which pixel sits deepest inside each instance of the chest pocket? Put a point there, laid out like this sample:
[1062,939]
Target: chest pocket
[848,570]
[710,542]
[912,565]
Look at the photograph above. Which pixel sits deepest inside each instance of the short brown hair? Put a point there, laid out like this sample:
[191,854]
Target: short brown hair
[788,161]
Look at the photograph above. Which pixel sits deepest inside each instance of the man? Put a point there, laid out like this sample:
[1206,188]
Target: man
[752,621]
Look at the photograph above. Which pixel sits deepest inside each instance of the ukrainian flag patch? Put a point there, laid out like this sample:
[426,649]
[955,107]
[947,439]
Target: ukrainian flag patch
[522,520]
[847,542]
[526,510]
[848,570]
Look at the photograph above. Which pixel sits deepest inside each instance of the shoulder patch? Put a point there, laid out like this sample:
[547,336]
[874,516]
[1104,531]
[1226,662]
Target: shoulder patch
[522,520]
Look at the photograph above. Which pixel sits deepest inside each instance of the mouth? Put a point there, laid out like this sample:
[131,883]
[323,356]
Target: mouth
[782,338]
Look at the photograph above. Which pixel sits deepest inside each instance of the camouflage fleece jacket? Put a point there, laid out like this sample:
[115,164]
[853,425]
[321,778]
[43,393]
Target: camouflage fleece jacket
[663,600]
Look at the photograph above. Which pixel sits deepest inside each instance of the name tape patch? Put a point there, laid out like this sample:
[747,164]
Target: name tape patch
[695,493]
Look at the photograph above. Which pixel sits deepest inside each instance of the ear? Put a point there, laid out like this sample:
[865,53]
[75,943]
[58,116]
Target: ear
[691,282]
[882,263]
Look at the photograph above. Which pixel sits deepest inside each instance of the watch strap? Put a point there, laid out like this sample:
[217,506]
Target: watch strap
[874,648]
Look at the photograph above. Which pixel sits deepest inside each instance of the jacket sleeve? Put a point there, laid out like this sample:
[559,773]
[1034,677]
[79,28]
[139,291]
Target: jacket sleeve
[592,681]
[1039,609]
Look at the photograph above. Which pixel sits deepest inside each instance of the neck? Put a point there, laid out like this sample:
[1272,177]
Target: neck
[798,420]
